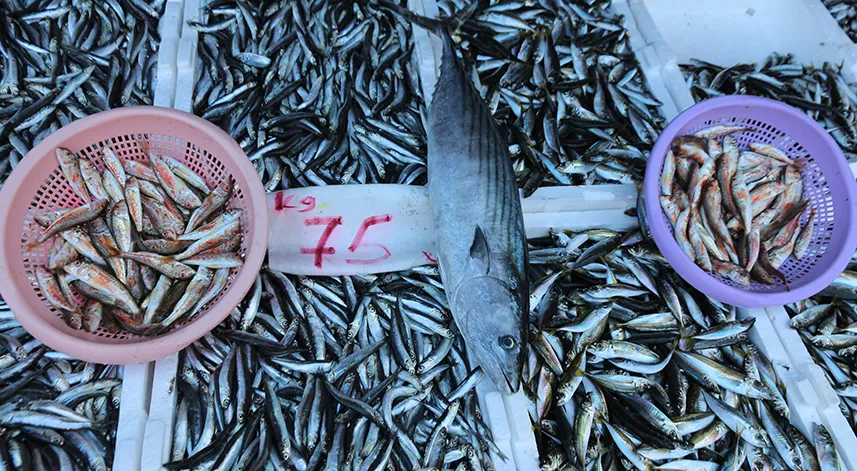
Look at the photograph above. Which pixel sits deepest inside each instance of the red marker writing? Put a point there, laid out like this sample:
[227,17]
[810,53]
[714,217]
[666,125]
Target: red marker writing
[281,201]
[358,238]
[309,202]
[321,248]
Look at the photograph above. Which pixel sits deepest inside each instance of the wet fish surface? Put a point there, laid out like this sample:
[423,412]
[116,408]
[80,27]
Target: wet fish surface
[133,273]
[669,375]
[478,220]
[61,61]
[57,412]
[821,92]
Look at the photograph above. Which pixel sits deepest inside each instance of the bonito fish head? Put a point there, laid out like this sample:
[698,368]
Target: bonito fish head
[492,322]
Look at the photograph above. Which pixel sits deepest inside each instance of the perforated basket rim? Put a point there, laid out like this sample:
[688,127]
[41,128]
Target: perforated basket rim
[845,225]
[19,189]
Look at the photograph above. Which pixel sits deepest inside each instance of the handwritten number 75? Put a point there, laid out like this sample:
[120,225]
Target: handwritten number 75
[330,224]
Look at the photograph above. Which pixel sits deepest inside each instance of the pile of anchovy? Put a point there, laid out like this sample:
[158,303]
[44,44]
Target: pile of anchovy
[315,92]
[823,93]
[632,369]
[63,60]
[827,324]
[629,367]
[368,372]
[361,372]
[845,13]
[823,321]
[56,413]
[563,83]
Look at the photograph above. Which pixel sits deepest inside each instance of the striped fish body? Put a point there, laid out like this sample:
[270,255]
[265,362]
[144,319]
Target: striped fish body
[478,223]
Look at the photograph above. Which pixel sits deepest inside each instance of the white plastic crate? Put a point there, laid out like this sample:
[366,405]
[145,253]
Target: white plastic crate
[148,425]
[825,408]
[809,404]
[650,63]
[134,412]
[177,74]
[150,431]
[727,32]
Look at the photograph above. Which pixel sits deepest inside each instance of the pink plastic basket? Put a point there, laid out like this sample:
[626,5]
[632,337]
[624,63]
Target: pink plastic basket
[37,185]
[828,183]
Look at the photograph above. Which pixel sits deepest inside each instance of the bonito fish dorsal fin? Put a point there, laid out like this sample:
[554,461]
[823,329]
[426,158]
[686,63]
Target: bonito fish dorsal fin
[479,251]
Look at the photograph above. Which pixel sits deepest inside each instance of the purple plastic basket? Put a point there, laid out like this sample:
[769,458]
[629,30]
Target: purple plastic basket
[828,183]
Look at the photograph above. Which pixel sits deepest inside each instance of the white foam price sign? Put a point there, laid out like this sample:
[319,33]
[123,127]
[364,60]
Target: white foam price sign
[350,229]
[361,229]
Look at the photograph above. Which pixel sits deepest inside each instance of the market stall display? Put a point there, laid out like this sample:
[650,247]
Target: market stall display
[363,371]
